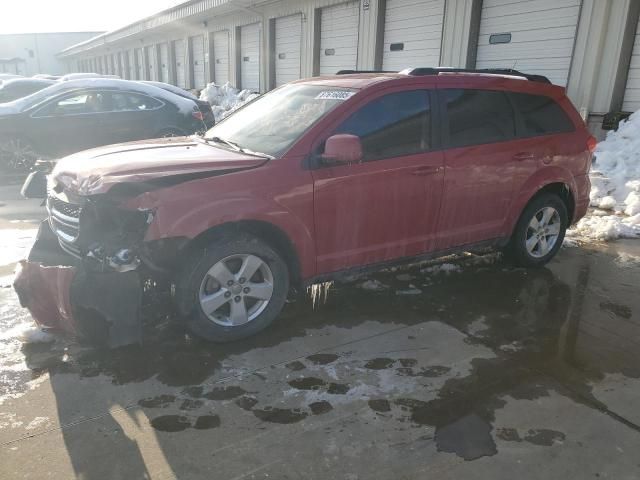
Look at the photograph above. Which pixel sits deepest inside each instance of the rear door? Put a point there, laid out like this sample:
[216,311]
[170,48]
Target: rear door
[132,116]
[385,207]
[478,133]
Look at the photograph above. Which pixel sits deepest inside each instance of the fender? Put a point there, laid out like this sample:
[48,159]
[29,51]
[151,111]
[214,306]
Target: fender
[540,179]
[187,210]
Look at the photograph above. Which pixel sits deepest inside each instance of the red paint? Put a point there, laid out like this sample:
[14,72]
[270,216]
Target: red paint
[45,291]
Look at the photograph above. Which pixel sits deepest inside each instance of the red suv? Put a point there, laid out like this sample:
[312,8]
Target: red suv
[315,179]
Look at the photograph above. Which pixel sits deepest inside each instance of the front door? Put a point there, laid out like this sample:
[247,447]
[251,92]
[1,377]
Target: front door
[386,206]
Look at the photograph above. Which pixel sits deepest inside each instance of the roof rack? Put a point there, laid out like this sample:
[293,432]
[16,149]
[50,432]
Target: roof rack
[350,72]
[494,71]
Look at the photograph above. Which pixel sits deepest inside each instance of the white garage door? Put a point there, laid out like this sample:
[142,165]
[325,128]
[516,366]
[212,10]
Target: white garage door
[197,61]
[131,65]
[412,34]
[150,57]
[250,57]
[178,53]
[339,38]
[122,70]
[139,64]
[632,92]
[287,54]
[536,36]
[221,57]
[164,62]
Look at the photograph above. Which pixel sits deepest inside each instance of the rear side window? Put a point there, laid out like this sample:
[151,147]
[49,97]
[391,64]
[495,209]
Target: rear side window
[478,116]
[541,115]
[125,102]
[393,125]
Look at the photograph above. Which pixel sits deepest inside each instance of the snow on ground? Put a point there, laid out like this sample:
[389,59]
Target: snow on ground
[615,187]
[14,244]
[225,99]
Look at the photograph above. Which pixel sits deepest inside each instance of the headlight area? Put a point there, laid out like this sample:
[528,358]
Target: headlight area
[112,238]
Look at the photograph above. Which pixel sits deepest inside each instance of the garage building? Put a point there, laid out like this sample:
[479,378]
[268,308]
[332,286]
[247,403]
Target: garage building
[588,46]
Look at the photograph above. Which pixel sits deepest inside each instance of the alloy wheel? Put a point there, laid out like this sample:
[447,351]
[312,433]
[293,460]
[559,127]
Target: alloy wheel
[236,290]
[542,232]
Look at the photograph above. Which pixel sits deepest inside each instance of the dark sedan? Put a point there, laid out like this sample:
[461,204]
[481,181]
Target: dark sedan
[11,90]
[79,114]
[203,105]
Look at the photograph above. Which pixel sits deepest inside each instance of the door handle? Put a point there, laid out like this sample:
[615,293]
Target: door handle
[431,170]
[523,156]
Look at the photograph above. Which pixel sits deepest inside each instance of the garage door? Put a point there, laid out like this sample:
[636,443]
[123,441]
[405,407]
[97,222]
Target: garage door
[131,65]
[121,70]
[151,63]
[287,54]
[139,64]
[221,57]
[339,38]
[178,53]
[164,62]
[536,36]
[631,101]
[412,34]
[250,57]
[197,61]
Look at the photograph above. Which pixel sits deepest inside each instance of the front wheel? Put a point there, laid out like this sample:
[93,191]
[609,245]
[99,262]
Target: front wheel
[232,289]
[540,231]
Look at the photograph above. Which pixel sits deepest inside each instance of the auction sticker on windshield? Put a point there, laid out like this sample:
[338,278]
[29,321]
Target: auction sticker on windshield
[334,95]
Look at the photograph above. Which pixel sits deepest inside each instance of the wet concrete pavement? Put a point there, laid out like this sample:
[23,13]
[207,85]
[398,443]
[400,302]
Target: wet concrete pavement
[487,372]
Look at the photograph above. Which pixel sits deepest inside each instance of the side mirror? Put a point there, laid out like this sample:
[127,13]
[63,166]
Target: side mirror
[342,149]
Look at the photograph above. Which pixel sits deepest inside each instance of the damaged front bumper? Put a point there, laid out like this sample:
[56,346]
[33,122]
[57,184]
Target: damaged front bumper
[62,294]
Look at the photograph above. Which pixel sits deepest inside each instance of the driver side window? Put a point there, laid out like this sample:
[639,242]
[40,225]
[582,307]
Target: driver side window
[394,125]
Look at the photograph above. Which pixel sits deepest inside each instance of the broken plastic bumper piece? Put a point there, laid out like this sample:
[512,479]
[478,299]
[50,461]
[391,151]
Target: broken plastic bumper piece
[62,294]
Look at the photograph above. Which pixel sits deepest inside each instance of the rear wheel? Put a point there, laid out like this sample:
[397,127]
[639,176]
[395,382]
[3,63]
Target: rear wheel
[233,289]
[17,155]
[540,231]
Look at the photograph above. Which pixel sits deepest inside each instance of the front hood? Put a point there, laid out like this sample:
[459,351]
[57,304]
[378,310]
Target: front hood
[97,170]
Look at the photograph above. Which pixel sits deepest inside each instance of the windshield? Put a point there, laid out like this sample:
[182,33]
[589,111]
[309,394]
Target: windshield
[273,122]
[25,102]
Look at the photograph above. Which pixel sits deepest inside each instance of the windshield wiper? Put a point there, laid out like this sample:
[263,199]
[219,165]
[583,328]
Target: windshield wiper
[231,144]
[238,148]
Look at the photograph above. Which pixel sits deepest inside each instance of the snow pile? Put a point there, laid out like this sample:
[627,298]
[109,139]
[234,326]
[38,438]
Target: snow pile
[615,187]
[225,99]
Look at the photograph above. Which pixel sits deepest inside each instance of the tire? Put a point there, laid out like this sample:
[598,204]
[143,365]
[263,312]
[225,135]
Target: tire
[197,287]
[17,155]
[529,247]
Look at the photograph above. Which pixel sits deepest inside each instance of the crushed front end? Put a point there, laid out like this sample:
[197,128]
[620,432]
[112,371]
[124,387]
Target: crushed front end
[82,275]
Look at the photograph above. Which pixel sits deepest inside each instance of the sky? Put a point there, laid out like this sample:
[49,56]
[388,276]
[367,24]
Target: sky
[29,16]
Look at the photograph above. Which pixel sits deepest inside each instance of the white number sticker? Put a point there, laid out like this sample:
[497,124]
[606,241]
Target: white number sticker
[334,95]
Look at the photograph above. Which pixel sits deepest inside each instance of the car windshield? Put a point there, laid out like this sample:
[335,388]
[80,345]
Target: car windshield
[28,101]
[273,122]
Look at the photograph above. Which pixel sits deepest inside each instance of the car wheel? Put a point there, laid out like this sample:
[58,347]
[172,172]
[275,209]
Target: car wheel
[540,231]
[17,155]
[232,289]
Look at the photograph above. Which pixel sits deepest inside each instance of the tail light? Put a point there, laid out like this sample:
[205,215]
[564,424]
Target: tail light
[592,143]
[198,115]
